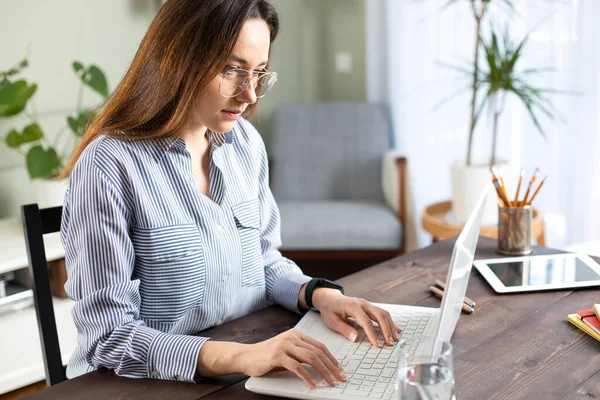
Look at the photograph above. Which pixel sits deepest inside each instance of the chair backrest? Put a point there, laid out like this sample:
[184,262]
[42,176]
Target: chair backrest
[329,151]
[36,223]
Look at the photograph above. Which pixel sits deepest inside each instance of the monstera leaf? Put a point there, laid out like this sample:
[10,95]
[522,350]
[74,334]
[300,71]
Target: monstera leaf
[14,96]
[42,163]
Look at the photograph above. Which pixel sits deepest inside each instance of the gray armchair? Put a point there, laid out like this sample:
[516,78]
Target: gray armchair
[328,161]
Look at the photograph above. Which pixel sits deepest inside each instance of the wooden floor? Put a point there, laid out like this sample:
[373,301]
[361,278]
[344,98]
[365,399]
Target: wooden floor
[15,394]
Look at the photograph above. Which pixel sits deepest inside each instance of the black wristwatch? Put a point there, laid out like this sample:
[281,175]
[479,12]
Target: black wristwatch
[317,283]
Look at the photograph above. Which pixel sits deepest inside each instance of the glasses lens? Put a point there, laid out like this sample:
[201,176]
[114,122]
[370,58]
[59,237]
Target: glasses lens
[232,82]
[265,83]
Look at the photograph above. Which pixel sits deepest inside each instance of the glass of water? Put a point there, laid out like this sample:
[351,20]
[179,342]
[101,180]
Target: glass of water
[425,377]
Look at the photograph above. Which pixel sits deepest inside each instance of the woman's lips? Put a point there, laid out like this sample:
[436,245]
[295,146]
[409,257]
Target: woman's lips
[232,114]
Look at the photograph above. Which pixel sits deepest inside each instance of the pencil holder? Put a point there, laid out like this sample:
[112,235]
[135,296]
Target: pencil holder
[514,230]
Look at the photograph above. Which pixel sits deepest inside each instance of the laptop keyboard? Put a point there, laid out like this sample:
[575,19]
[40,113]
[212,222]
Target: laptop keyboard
[371,371]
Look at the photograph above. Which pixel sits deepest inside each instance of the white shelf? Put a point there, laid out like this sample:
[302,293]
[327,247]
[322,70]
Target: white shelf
[13,251]
[21,357]
[20,348]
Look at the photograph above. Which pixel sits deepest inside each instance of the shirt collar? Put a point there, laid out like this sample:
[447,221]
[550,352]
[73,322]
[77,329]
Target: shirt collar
[158,147]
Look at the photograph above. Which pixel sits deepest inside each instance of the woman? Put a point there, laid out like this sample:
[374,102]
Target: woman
[169,224]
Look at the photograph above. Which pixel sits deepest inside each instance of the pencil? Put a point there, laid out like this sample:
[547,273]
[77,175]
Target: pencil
[501,193]
[531,182]
[537,190]
[516,201]
[439,293]
[502,185]
[467,300]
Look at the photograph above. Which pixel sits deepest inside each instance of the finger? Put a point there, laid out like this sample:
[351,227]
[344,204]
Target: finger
[395,329]
[330,365]
[311,358]
[297,368]
[338,324]
[365,322]
[314,342]
[384,320]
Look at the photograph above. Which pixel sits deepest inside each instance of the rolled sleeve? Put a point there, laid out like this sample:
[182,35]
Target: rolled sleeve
[286,290]
[174,357]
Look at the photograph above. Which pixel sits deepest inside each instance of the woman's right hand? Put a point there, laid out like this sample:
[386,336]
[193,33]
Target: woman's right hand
[289,350]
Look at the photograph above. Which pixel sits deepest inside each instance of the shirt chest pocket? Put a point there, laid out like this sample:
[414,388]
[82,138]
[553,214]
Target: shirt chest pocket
[171,268]
[247,221]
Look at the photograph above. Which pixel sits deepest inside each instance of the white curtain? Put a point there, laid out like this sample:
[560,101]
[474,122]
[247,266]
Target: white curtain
[408,40]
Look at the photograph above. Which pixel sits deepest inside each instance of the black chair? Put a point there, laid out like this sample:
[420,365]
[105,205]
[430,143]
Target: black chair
[37,222]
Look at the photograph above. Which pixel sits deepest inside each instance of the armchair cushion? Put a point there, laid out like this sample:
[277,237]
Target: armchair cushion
[329,151]
[338,225]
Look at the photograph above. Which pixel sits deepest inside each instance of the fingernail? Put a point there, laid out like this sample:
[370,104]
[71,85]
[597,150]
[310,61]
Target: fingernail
[343,375]
[314,382]
[340,367]
[353,337]
[332,379]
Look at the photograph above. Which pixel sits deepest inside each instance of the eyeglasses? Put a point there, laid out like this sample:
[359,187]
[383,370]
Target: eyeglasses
[236,80]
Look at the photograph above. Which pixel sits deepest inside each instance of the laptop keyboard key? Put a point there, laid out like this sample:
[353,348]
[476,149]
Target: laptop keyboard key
[388,372]
[368,372]
[357,393]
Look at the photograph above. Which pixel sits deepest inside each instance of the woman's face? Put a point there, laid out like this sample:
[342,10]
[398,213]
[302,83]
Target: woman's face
[251,52]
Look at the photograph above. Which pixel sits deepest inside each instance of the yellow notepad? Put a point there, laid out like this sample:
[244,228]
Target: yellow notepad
[597,310]
[583,326]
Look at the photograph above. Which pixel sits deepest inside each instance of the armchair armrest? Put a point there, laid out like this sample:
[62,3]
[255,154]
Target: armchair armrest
[393,174]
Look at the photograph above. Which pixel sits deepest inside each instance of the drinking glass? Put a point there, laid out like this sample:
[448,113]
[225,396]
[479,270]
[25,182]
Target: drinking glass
[425,377]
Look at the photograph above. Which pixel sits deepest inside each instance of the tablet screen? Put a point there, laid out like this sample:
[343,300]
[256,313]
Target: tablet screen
[543,271]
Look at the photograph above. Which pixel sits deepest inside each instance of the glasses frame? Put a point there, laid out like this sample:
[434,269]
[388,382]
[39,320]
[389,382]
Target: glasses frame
[250,77]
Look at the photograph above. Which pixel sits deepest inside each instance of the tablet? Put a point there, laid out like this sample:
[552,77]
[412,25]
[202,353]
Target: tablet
[548,272]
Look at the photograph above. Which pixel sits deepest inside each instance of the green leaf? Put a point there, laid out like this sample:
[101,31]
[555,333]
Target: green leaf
[14,97]
[31,133]
[42,163]
[79,123]
[96,80]
[13,139]
[77,66]
[73,123]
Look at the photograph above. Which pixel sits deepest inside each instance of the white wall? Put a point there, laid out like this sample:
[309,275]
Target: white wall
[53,34]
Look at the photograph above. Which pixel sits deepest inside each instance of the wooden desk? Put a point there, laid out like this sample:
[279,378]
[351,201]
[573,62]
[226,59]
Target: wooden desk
[434,221]
[516,346]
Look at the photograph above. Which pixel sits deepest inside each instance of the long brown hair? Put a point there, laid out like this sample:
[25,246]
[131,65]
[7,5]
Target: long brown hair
[186,46]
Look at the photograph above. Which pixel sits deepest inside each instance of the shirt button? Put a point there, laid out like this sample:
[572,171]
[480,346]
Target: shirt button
[219,322]
[155,374]
[179,378]
[225,278]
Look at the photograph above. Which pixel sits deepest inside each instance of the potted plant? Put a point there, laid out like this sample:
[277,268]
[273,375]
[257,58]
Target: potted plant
[42,158]
[490,86]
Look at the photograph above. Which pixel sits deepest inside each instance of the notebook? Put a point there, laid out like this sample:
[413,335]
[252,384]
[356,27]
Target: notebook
[587,321]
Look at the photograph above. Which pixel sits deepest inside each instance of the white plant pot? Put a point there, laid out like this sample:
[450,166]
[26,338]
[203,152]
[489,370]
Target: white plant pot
[468,182]
[49,193]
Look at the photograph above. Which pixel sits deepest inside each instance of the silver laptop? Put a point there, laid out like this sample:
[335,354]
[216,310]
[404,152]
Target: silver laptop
[371,371]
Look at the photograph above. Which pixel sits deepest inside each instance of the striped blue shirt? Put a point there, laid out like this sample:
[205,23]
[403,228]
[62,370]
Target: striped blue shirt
[151,260]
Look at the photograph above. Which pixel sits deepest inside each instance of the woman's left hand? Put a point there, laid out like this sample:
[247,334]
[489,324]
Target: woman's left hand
[336,308]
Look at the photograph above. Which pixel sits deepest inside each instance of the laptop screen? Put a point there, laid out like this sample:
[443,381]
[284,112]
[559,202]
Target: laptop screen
[459,271]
